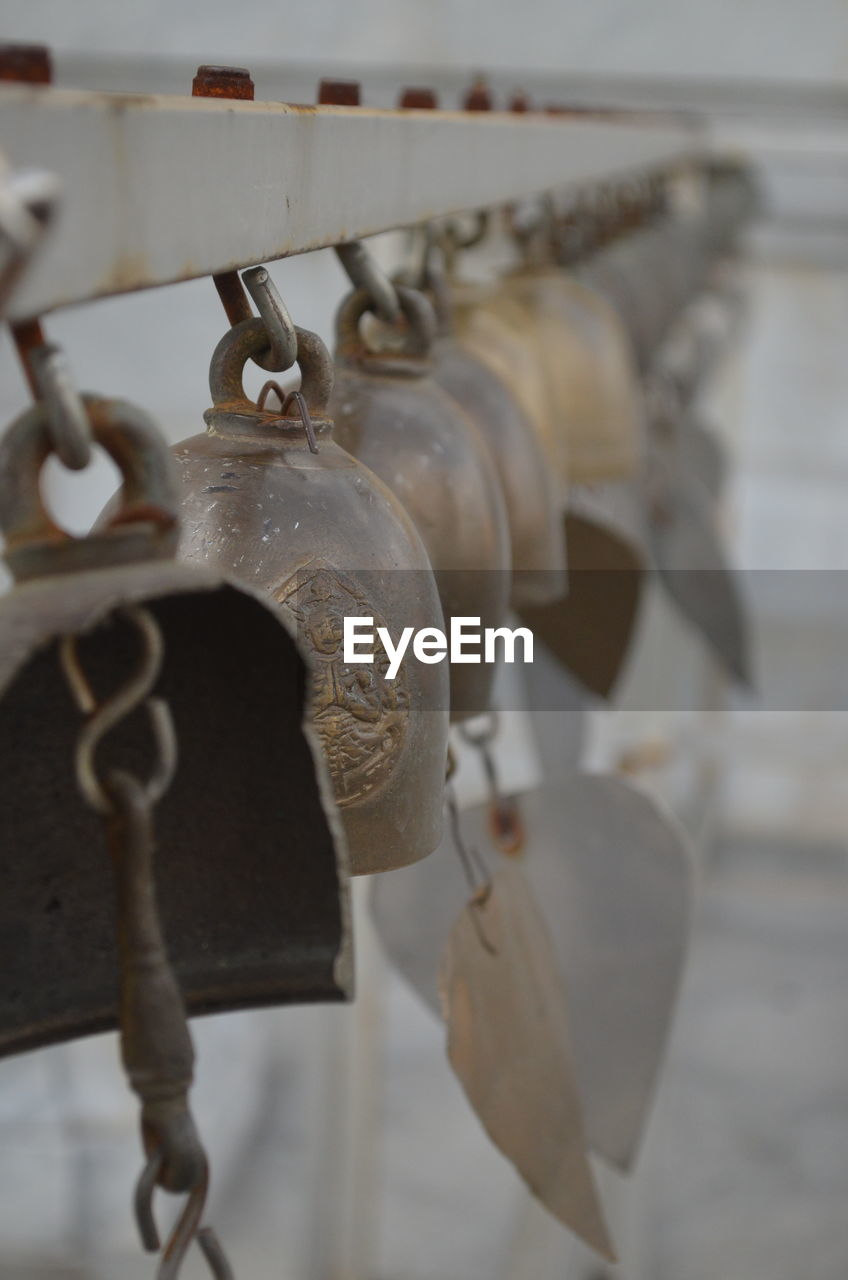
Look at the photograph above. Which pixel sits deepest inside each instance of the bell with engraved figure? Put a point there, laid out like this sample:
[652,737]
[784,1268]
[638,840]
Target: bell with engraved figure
[391,414]
[251,871]
[272,497]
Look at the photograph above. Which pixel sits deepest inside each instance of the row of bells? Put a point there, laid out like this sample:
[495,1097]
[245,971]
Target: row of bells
[453,465]
[483,441]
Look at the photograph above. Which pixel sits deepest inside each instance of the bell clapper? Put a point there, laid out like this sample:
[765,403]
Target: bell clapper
[156,1046]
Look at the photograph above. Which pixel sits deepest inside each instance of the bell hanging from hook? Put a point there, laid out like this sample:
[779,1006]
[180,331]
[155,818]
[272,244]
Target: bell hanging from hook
[391,415]
[249,813]
[269,496]
[594,404]
[530,490]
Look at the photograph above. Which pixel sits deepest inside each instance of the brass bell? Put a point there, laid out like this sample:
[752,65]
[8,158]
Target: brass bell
[391,415]
[531,494]
[307,523]
[251,875]
[590,374]
[493,327]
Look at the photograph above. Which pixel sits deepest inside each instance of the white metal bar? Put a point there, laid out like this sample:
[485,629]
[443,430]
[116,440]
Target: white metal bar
[160,189]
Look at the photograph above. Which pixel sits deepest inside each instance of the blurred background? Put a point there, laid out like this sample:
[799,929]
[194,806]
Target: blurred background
[341,1144]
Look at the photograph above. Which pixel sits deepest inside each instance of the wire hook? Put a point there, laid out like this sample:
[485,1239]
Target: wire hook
[186,1229]
[285,400]
[104,717]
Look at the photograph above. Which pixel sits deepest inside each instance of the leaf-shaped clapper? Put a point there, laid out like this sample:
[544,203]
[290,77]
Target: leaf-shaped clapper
[508,1043]
[694,570]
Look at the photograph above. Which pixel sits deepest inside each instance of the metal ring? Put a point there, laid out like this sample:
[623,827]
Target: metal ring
[67,417]
[282,336]
[364,273]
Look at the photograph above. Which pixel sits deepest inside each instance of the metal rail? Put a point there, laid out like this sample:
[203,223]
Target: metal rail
[162,189]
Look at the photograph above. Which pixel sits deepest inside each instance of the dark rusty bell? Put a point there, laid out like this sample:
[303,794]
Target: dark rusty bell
[250,870]
[310,525]
[532,499]
[392,415]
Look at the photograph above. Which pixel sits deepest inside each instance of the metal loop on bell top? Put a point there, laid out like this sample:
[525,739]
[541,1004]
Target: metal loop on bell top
[364,273]
[148,494]
[416,337]
[241,343]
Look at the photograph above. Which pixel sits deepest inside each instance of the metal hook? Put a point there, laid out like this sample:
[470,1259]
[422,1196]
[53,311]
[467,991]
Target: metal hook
[103,717]
[70,429]
[468,856]
[282,337]
[186,1229]
[505,822]
[285,399]
[364,273]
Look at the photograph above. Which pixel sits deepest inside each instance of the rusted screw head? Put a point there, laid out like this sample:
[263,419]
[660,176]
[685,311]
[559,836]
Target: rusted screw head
[222,82]
[339,93]
[417,99]
[519,102]
[26,63]
[478,97]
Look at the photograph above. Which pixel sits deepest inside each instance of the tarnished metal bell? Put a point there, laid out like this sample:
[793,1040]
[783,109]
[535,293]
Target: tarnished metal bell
[591,378]
[392,415]
[532,499]
[319,532]
[491,326]
[250,872]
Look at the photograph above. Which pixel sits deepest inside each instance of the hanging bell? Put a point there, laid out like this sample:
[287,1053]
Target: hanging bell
[492,325]
[530,491]
[251,871]
[590,375]
[392,416]
[597,403]
[301,519]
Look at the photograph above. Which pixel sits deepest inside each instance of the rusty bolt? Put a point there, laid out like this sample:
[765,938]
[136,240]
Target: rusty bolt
[478,97]
[418,100]
[26,63]
[519,102]
[339,93]
[222,82]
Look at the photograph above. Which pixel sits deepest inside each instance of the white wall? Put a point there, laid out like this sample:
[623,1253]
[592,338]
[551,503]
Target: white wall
[759,39]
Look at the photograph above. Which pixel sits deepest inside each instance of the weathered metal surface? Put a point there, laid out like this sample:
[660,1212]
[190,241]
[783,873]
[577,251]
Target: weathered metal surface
[612,876]
[325,539]
[509,1042]
[595,396]
[493,328]
[249,872]
[391,414]
[529,489]
[693,567]
[119,158]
